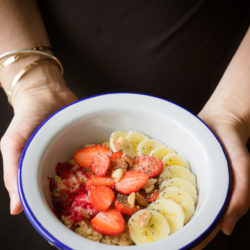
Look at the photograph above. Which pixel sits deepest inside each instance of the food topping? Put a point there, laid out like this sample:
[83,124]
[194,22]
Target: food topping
[110,222]
[101,197]
[118,174]
[124,191]
[149,165]
[131,181]
[84,156]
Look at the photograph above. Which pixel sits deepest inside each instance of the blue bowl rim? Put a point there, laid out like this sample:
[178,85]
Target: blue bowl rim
[55,242]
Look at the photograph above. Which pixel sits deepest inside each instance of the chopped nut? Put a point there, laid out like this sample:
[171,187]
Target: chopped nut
[144,219]
[131,199]
[128,159]
[120,143]
[150,183]
[149,189]
[119,163]
[117,174]
[141,200]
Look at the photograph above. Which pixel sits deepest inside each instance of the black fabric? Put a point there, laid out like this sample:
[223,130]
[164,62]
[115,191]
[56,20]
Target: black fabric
[174,49]
[170,48]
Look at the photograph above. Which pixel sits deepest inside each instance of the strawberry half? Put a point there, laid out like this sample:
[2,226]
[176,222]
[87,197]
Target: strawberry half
[125,208]
[131,181]
[152,196]
[109,222]
[100,181]
[84,156]
[101,197]
[149,165]
[100,164]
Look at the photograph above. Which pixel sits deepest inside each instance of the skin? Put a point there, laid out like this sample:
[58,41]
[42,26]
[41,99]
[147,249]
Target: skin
[43,91]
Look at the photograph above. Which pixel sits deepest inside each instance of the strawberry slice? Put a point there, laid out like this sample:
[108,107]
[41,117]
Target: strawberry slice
[125,208]
[84,156]
[149,165]
[109,222]
[152,196]
[101,197]
[132,181]
[115,156]
[100,164]
[100,181]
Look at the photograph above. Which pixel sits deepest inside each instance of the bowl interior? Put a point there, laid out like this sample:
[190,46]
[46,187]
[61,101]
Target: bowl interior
[92,121]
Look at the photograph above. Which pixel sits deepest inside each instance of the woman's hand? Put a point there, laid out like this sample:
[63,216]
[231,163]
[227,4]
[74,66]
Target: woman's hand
[31,107]
[233,133]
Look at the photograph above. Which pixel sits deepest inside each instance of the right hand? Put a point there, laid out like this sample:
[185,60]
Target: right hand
[31,107]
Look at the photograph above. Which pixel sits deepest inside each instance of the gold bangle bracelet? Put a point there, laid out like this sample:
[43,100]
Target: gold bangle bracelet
[30,52]
[22,72]
[16,57]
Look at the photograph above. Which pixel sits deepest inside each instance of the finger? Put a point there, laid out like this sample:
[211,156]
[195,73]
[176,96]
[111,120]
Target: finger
[11,147]
[207,239]
[240,166]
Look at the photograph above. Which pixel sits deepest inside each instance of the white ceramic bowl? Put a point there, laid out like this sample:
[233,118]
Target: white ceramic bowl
[91,121]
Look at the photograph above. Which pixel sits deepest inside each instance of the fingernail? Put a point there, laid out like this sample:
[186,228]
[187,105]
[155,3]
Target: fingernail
[228,225]
[13,203]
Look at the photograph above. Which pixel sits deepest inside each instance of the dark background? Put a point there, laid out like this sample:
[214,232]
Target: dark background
[17,233]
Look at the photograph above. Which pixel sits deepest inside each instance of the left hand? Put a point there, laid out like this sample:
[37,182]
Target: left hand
[233,133]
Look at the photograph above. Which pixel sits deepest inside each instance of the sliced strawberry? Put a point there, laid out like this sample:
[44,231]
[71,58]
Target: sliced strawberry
[125,208]
[84,156]
[100,181]
[101,197]
[152,196]
[132,181]
[109,222]
[100,164]
[149,165]
[115,156]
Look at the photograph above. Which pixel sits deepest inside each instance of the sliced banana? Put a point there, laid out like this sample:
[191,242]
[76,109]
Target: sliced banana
[113,138]
[157,227]
[174,159]
[177,172]
[161,152]
[171,211]
[182,184]
[133,139]
[181,197]
[146,146]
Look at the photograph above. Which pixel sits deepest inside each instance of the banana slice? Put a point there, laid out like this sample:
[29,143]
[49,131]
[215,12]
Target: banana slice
[113,138]
[133,139]
[174,159]
[182,184]
[155,228]
[181,197]
[146,146]
[161,152]
[171,211]
[177,171]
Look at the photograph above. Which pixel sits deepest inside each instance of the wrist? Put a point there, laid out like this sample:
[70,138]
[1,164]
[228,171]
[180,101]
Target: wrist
[221,119]
[44,76]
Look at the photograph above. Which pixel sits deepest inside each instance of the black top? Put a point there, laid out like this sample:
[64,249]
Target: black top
[175,49]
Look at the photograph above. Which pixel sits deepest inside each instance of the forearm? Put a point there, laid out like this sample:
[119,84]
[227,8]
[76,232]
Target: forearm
[232,94]
[22,28]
